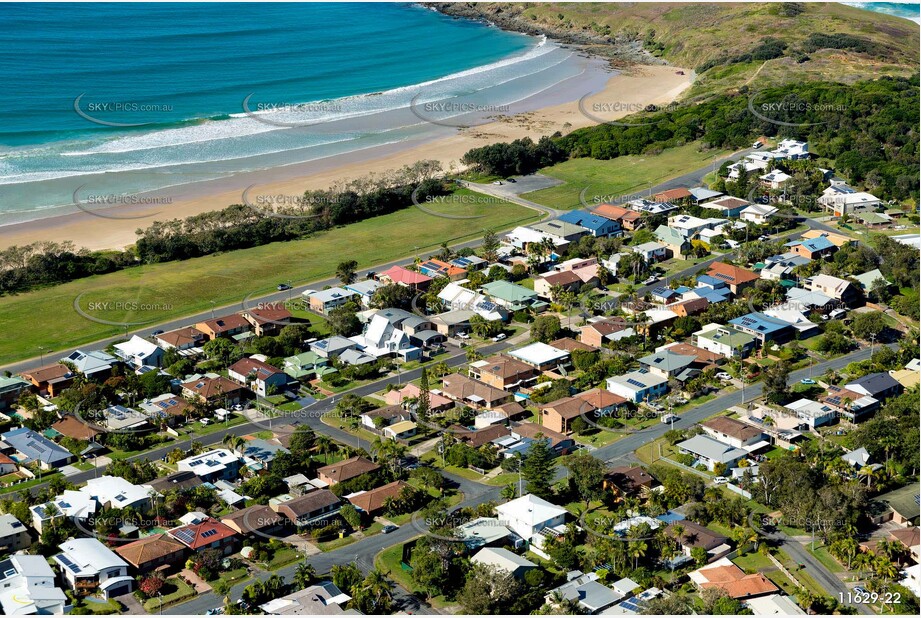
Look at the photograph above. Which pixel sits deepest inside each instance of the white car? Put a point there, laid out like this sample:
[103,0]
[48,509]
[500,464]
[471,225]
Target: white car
[499,337]
[497,182]
[720,480]
[462,335]
[722,375]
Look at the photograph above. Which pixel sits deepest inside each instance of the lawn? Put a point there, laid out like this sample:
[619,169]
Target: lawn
[610,181]
[180,591]
[159,292]
[827,560]
[388,561]
[103,607]
[283,557]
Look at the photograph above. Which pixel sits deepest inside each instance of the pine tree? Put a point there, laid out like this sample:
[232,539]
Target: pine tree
[538,468]
[423,403]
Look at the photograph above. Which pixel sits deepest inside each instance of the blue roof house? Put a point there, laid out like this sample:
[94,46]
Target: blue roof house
[34,447]
[597,225]
[764,328]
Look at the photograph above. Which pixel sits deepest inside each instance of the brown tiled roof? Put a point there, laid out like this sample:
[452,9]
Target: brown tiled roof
[215,531]
[510,409]
[479,437]
[505,367]
[527,429]
[74,428]
[182,336]
[387,412]
[732,428]
[569,344]
[703,356]
[373,501]
[695,535]
[601,398]
[5,459]
[212,387]
[256,517]
[630,478]
[909,537]
[150,548]
[731,274]
[569,407]
[616,213]
[671,194]
[246,366]
[607,327]
[567,277]
[690,307]
[308,503]
[226,323]
[348,469]
[458,386]
[736,584]
[47,373]
[272,312]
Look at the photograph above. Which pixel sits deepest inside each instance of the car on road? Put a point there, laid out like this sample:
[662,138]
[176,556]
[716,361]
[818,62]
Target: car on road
[722,375]
[720,480]
[499,337]
[215,611]
[764,237]
[389,528]
[511,180]
[461,335]
[650,280]
[808,381]
[670,418]
[283,287]
[157,332]
[497,182]
[370,274]
[757,145]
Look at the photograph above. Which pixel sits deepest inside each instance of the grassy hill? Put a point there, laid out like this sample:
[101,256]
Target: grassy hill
[719,40]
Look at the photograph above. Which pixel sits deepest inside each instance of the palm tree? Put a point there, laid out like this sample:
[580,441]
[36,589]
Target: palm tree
[509,492]
[304,575]
[637,551]
[869,473]
[378,588]
[324,446]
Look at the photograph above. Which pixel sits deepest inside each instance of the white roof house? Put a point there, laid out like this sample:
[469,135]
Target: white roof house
[689,226]
[70,504]
[27,587]
[91,363]
[116,492]
[210,464]
[540,355]
[482,531]
[503,559]
[323,598]
[585,589]
[381,338]
[637,385]
[528,515]
[842,199]
[89,559]
[774,605]
[757,213]
[457,297]
[775,178]
[815,414]
[711,452]
[138,352]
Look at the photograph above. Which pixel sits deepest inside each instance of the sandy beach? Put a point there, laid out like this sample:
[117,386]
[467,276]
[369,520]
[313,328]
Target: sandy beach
[624,93]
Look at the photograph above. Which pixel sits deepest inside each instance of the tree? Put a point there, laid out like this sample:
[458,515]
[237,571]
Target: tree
[374,595]
[351,516]
[394,295]
[538,468]
[304,575]
[484,328]
[302,440]
[775,380]
[423,401]
[490,246]
[489,590]
[699,554]
[346,577]
[545,328]
[345,271]
[151,584]
[223,351]
[343,320]
[587,474]
[869,325]
[671,605]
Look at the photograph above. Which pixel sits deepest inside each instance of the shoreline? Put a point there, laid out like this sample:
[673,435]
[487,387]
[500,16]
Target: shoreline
[633,89]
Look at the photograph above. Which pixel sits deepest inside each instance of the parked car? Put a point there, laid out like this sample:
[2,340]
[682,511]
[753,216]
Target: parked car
[757,145]
[389,528]
[650,280]
[283,286]
[512,180]
[720,480]
[462,335]
[669,418]
[807,381]
[157,332]
[497,182]
[499,337]
[722,375]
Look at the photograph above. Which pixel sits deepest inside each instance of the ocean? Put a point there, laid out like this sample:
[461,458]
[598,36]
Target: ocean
[908,10]
[124,99]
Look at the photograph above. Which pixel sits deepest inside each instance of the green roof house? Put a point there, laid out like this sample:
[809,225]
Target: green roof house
[306,365]
[672,239]
[511,296]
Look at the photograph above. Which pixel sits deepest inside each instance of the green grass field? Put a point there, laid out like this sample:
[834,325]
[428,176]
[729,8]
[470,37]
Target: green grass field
[605,181]
[48,317]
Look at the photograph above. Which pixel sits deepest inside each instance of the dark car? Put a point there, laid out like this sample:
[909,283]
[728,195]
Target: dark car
[157,332]
[283,286]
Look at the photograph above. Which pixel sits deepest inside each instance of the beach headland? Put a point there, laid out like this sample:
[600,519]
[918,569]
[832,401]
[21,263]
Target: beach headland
[619,93]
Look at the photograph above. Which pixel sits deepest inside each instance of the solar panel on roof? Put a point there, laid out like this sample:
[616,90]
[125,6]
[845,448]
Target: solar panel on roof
[185,535]
[635,383]
[208,533]
[67,562]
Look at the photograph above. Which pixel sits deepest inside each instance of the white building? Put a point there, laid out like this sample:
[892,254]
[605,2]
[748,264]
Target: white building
[651,252]
[758,213]
[775,179]
[70,504]
[711,452]
[689,226]
[774,605]
[211,466]
[541,356]
[456,297]
[638,386]
[139,352]
[27,588]
[87,563]
[381,338]
[725,341]
[812,413]
[117,493]
[504,560]
[528,515]
[841,199]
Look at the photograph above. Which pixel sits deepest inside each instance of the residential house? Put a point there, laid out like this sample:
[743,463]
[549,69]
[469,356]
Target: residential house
[224,326]
[214,465]
[812,413]
[364,290]
[324,301]
[726,341]
[908,378]
[702,194]
[259,376]
[626,218]
[215,390]
[13,535]
[775,179]
[503,560]
[673,240]
[651,251]
[559,444]
[346,470]
[332,347]
[725,575]
[208,533]
[690,307]
[560,232]
[868,279]
[528,515]
[139,352]
[568,281]
[165,409]
[736,278]
[388,415]
[503,372]
[774,605]
[88,566]
[637,386]
[255,521]
[727,206]
[765,329]
[72,505]
[152,552]
[182,339]
[373,501]
[541,356]
[689,227]
[704,357]
[72,427]
[381,338]
[808,301]
[839,240]
[511,296]
[8,465]
[674,196]
[595,224]
[399,275]
[96,365]
[598,332]
[733,432]
[587,592]
[306,510]
[840,199]
[10,390]
[27,587]
[759,214]
[629,481]
[481,437]
[32,447]
[512,411]
[851,405]
[558,415]
[322,599]
[711,452]
[900,506]
[668,364]
[471,392]
[880,386]
[114,492]
[307,365]
[603,401]
[812,248]
[438,268]
[397,396]
[267,318]
[402,430]
[455,296]
[693,535]
[175,481]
